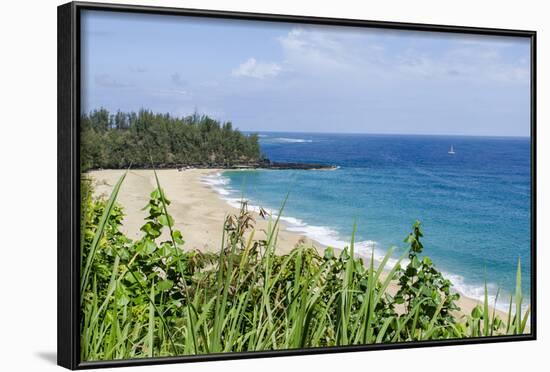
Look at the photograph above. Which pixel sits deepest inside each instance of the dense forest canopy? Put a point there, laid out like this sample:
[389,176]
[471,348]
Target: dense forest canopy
[118,140]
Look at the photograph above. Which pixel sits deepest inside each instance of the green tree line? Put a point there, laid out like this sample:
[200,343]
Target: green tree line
[117,140]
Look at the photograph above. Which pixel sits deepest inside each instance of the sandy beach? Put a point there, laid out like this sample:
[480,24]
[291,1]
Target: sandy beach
[198,211]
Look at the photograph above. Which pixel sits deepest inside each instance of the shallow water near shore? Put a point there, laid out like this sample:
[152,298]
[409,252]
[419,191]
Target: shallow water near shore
[474,204]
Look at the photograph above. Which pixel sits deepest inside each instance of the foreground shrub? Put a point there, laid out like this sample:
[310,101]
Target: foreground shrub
[151,297]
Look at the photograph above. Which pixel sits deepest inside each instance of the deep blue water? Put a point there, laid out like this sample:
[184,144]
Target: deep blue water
[474,205]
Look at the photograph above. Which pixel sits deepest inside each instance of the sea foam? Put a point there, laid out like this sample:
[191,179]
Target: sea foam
[290,140]
[324,235]
[366,249]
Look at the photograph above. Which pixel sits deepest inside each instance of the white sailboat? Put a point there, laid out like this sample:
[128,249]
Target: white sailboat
[451,150]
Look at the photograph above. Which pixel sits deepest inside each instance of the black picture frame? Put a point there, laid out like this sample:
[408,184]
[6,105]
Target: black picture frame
[68,214]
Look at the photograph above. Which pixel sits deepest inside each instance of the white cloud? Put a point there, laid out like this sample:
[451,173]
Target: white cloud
[312,48]
[258,70]
[466,62]
[367,55]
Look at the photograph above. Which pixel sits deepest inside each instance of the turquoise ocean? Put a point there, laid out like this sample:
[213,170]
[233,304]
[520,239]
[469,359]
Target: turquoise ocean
[474,201]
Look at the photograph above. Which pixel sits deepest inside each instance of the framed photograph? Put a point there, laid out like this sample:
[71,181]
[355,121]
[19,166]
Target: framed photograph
[237,185]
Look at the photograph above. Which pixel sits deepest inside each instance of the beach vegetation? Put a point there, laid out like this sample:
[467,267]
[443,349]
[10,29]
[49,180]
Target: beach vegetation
[153,297]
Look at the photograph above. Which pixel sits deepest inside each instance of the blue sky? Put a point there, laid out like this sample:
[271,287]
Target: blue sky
[289,77]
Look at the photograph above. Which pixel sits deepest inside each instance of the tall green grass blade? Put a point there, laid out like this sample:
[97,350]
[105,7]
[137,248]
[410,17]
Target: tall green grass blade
[518,299]
[97,237]
[151,327]
[509,317]
[525,319]
[383,330]
[494,313]
[431,326]
[485,311]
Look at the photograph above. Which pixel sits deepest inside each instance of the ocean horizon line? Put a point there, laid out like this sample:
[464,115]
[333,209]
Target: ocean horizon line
[390,134]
